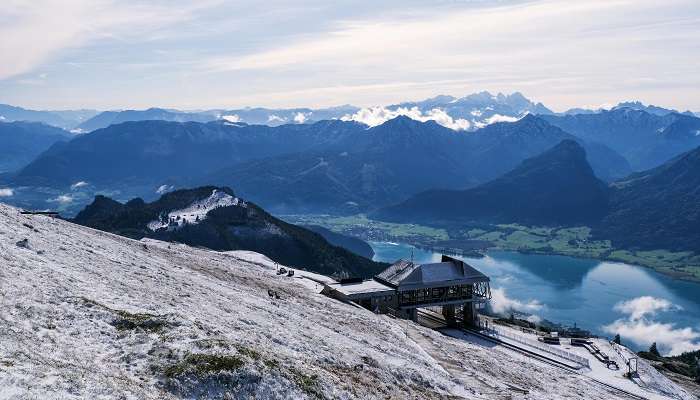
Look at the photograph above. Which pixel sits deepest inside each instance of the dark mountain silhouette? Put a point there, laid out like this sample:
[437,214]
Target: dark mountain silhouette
[21,142]
[658,208]
[228,225]
[557,187]
[353,244]
[154,152]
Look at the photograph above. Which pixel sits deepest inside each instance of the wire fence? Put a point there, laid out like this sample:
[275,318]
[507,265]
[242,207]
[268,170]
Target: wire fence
[541,346]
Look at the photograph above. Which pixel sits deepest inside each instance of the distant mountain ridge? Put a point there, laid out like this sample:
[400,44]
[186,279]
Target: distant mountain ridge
[389,163]
[107,118]
[328,166]
[646,140]
[66,119]
[557,187]
[632,105]
[468,112]
[249,116]
[21,142]
[215,218]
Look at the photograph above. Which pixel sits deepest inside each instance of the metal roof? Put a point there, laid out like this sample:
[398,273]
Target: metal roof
[405,275]
[361,290]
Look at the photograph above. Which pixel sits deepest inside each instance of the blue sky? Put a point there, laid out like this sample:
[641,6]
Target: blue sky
[224,54]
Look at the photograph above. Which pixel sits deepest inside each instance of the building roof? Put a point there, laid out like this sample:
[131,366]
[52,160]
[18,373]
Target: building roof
[360,290]
[405,275]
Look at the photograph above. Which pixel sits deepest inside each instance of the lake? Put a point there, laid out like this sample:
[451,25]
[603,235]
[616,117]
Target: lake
[592,294]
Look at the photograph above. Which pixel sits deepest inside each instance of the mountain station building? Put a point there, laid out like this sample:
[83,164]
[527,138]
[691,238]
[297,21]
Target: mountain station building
[452,285]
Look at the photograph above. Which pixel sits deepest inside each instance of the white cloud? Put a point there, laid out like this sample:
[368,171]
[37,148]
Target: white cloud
[41,29]
[231,118]
[501,304]
[6,192]
[374,116]
[557,51]
[275,118]
[500,45]
[164,189]
[644,306]
[300,117]
[639,327]
[669,339]
[62,199]
[78,185]
[500,118]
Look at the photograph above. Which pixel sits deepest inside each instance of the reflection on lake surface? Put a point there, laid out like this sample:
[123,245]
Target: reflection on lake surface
[572,290]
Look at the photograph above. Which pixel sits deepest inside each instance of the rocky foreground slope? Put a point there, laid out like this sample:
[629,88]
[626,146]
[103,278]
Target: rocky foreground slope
[87,314]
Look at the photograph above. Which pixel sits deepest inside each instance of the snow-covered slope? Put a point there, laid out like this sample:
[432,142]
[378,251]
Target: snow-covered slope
[196,211]
[86,314]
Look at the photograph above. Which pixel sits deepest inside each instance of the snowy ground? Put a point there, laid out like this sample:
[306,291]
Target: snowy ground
[86,314]
[650,383]
[197,211]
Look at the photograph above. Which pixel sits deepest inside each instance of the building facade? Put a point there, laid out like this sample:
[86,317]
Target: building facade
[454,286]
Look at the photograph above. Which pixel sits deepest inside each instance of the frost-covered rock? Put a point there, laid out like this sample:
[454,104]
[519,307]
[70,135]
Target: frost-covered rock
[197,211]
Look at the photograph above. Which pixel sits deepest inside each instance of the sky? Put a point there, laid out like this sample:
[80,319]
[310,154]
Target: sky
[119,54]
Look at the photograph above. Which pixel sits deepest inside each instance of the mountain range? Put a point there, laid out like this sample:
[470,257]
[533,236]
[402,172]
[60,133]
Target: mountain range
[469,112]
[390,162]
[328,166]
[645,139]
[22,142]
[654,209]
[215,218]
[557,187]
[66,119]
[343,166]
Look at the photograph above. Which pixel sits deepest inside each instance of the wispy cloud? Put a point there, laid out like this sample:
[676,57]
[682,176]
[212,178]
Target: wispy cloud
[6,192]
[42,29]
[62,199]
[231,118]
[374,116]
[78,185]
[501,304]
[639,326]
[523,44]
[162,189]
[644,306]
[315,53]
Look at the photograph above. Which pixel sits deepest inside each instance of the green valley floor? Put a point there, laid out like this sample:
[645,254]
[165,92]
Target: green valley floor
[570,241]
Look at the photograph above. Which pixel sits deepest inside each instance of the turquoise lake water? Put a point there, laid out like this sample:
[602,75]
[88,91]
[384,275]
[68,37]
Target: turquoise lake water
[570,290]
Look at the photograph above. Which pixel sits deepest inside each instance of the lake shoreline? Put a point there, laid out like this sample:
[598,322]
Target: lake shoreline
[573,291]
[577,242]
[677,276]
